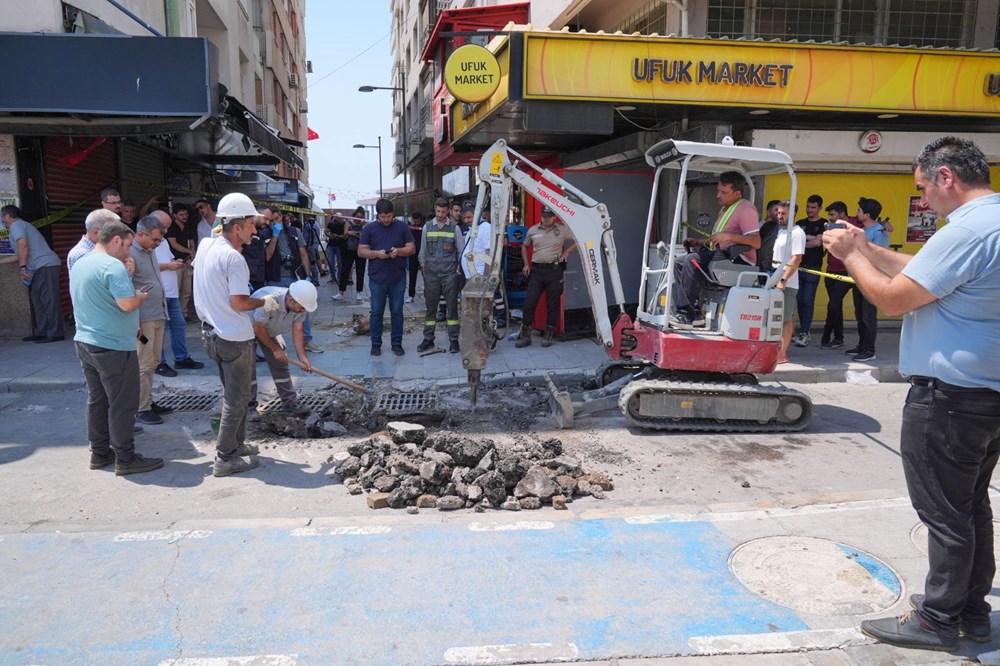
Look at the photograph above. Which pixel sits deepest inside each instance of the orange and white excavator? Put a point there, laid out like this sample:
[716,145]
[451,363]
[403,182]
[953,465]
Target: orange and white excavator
[700,379]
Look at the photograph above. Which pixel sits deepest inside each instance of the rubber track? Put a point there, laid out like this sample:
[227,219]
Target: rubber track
[633,389]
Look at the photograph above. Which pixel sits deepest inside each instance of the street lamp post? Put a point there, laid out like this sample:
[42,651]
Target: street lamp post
[379,147]
[404,130]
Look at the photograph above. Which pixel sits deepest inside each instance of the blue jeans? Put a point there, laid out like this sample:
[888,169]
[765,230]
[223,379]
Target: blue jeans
[176,326]
[306,326]
[333,258]
[808,284]
[950,442]
[394,292]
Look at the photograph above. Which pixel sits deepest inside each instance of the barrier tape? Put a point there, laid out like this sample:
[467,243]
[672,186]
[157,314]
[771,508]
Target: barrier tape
[55,217]
[215,195]
[832,276]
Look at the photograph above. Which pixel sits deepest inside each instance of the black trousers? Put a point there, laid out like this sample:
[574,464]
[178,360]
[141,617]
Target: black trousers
[867,315]
[950,441]
[348,259]
[546,278]
[413,267]
[836,290]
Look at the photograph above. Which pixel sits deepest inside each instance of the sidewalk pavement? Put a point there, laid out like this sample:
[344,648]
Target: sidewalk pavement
[27,366]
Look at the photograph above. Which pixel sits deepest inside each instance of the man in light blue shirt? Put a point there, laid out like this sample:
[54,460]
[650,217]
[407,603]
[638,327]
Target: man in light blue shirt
[106,306]
[950,351]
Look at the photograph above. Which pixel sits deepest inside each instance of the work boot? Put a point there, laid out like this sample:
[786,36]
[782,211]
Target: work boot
[234,466]
[525,339]
[138,465]
[547,336]
[425,345]
[980,632]
[453,347]
[99,460]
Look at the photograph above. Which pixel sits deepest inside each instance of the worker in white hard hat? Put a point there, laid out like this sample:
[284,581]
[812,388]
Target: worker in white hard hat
[222,298]
[269,327]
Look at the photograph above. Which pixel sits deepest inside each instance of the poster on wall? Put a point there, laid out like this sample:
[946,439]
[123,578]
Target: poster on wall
[921,222]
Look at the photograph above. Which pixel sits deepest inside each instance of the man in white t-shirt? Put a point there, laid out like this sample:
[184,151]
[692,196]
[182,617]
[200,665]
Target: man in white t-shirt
[789,246]
[222,298]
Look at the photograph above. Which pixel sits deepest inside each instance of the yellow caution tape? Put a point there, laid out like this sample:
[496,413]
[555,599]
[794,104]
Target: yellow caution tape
[55,217]
[215,195]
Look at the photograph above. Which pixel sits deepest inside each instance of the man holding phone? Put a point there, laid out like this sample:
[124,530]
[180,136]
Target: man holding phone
[152,313]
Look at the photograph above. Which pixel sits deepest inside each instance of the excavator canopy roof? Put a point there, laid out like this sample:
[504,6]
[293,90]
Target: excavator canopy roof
[718,157]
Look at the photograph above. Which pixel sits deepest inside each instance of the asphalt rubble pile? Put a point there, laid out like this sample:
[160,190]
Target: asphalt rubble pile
[407,467]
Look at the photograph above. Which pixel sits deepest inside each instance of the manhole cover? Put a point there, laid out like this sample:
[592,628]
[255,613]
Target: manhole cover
[918,535]
[314,403]
[405,403]
[189,402]
[815,575]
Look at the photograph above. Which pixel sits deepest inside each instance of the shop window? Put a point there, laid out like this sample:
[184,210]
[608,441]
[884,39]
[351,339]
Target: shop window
[937,23]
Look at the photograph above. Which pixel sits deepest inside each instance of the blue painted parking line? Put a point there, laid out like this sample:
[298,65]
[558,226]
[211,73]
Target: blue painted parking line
[410,594]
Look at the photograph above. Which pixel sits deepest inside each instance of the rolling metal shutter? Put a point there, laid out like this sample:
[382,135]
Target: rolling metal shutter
[143,173]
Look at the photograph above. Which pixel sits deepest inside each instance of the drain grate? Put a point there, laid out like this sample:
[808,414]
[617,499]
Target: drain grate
[314,403]
[189,402]
[405,403]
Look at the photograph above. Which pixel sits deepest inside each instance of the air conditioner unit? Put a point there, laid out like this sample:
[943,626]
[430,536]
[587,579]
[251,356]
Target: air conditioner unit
[304,108]
[293,80]
[309,66]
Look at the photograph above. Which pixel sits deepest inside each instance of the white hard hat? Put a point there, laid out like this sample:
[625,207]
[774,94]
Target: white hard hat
[304,293]
[235,205]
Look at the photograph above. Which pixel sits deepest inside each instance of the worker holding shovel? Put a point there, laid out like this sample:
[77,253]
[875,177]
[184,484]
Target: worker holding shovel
[295,301]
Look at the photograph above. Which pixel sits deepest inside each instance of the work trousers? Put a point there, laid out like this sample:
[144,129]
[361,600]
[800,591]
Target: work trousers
[350,258]
[436,285]
[689,278]
[46,302]
[547,278]
[867,315]
[176,327]
[950,441]
[282,376]
[235,361]
[185,291]
[806,299]
[149,358]
[833,329]
[112,378]
[393,293]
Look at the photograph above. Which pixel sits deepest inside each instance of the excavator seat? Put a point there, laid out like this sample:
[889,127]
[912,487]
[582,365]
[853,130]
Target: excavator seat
[724,271]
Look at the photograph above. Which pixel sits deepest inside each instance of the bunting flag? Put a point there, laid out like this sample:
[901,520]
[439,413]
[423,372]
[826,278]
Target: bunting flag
[70,161]
[311,134]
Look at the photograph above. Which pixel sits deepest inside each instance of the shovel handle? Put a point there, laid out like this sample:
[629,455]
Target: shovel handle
[340,380]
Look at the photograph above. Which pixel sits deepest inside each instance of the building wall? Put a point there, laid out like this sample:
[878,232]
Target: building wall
[47,15]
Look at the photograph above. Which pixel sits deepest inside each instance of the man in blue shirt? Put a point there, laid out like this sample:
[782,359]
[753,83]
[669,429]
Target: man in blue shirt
[386,245]
[106,308]
[865,311]
[950,351]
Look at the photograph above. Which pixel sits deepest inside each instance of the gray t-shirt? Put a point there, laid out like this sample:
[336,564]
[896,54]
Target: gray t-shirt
[40,254]
[278,322]
[147,272]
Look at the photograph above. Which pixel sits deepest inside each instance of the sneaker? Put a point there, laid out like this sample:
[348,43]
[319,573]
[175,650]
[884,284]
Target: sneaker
[138,465]
[908,631]
[376,350]
[234,466]
[980,632]
[681,321]
[189,364]
[244,450]
[158,409]
[32,338]
[165,370]
[836,344]
[148,417]
[359,297]
[453,347]
[398,350]
[337,297]
[801,340]
[864,356]
[314,348]
[408,299]
[137,429]
[853,350]
[99,460]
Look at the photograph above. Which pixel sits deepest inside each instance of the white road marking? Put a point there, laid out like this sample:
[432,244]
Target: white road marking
[791,641]
[252,660]
[505,527]
[348,530]
[505,654]
[761,514]
[163,535]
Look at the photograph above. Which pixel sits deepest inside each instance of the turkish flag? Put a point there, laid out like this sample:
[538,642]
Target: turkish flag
[311,134]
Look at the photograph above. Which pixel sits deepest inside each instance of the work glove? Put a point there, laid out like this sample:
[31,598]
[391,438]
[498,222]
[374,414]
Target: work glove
[277,227]
[271,303]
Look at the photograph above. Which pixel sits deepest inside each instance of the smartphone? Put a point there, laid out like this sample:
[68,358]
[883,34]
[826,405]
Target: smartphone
[836,225]
[148,288]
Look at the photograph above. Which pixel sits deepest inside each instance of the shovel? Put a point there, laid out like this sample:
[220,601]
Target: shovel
[340,380]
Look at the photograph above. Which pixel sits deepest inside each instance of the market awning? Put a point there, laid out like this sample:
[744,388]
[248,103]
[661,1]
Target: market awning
[130,85]
[259,133]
